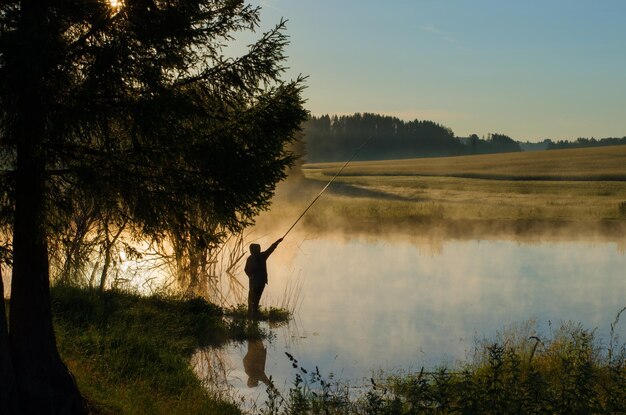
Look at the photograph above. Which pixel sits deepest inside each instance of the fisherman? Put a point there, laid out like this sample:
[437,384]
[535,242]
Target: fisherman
[256,270]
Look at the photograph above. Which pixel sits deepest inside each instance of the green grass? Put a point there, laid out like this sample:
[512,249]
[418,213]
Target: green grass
[131,354]
[273,315]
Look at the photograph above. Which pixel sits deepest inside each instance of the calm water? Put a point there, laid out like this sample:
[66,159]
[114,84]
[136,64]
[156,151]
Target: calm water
[403,304]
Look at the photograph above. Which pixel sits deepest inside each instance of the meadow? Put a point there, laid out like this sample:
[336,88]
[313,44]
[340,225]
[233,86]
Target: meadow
[580,188]
[591,164]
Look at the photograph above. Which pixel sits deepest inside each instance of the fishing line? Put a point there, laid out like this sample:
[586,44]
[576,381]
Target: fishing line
[328,184]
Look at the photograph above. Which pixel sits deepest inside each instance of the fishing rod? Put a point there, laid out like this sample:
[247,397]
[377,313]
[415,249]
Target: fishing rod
[328,184]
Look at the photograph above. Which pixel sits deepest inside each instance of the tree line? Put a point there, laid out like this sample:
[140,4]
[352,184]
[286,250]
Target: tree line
[586,142]
[335,138]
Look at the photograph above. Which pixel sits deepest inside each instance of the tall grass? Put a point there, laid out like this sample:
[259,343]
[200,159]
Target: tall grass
[291,298]
[568,373]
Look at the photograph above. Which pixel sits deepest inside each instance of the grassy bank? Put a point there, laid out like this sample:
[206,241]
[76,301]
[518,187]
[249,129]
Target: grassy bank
[131,354]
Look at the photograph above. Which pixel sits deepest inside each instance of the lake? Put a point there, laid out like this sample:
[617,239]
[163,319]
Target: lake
[370,304]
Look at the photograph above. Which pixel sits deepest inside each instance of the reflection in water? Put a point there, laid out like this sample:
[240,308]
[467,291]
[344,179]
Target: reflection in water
[215,369]
[254,363]
[394,304]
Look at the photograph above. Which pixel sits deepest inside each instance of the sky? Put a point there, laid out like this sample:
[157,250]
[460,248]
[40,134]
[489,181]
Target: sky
[530,69]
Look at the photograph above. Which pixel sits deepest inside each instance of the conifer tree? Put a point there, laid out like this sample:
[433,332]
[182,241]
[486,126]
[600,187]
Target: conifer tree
[135,107]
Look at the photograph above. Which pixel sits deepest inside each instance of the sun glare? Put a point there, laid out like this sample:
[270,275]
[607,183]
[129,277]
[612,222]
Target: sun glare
[116,5]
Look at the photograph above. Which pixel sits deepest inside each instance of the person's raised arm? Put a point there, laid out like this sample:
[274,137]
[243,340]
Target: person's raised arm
[272,247]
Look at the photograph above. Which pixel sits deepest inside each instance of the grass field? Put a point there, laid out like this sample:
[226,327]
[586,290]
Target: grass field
[594,164]
[583,188]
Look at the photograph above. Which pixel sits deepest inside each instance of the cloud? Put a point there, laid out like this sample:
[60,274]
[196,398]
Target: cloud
[445,36]
[431,29]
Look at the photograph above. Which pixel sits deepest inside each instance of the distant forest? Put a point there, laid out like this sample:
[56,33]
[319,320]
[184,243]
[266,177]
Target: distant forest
[336,138]
[586,142]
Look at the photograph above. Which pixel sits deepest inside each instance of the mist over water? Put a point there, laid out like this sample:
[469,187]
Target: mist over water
[400,304]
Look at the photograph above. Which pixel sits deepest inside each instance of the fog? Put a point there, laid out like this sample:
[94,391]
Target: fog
[400,303]
[491,283]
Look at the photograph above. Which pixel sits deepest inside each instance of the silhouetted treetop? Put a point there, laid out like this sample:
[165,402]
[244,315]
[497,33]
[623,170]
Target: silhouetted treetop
[587,142]
[336,138]
[141,103]
[494,143]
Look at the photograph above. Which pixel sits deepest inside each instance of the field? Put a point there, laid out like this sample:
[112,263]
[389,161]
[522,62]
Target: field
[580,189]
[589,164]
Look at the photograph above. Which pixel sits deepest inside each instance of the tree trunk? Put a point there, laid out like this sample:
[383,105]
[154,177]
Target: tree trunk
[92,277]
[45,386]
[8,386]
[72,264]
[107,257]
[108,246]
[192,288]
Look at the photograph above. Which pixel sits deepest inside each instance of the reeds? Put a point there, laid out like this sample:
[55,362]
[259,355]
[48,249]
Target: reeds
[291,298]
[569,373]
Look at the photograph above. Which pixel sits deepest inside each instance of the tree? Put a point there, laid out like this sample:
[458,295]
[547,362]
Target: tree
[501,143]
[134,106]
[495,143]
[473,142]
[336,139]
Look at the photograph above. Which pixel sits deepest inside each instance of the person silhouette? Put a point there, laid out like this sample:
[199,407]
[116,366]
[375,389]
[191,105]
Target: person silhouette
[256,270]
[254,363]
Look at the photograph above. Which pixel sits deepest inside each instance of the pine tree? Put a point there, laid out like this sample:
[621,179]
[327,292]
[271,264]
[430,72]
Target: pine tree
[135,107]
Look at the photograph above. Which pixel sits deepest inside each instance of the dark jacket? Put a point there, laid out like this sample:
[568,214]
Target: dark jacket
[256,267]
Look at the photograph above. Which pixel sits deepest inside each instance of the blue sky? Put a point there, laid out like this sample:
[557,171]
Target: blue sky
[530,69]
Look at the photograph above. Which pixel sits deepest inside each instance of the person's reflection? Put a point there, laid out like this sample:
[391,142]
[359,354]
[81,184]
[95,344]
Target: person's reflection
[254,363]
